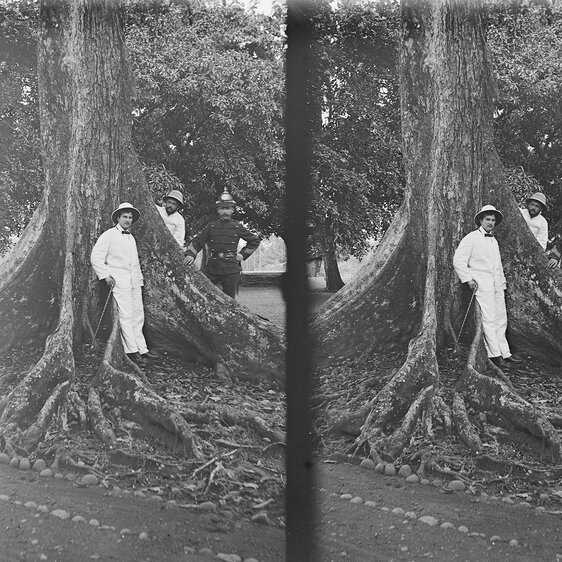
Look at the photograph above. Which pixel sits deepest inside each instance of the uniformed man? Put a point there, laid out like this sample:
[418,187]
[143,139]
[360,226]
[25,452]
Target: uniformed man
[477,261]
[222,236]
[535,206]
[173,202]
[115,260]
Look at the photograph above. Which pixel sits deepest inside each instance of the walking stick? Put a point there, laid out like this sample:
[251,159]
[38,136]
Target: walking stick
[464,320]
[101,317]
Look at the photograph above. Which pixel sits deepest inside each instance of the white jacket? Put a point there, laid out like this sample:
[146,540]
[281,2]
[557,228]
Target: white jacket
[538,226]
[116,254]
[478,258]
[175,223]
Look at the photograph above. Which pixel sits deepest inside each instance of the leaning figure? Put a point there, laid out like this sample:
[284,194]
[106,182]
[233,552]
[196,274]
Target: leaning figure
[535,207]
[173,202]
[115,260]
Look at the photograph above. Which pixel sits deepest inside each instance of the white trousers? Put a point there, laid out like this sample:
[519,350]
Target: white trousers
[494,322]
[131,318]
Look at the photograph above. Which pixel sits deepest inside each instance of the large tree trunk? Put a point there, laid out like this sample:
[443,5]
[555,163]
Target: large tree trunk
[408,294]
[49,294]
[334,282]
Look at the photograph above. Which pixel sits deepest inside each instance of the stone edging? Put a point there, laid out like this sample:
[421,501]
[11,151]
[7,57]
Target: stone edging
[40,466]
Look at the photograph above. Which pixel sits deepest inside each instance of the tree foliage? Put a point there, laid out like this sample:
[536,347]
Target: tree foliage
[358,169]
[209,105]
[526,47]
[21,174]
[209,110]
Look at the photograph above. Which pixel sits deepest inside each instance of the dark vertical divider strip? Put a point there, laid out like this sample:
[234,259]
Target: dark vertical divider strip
[298,119]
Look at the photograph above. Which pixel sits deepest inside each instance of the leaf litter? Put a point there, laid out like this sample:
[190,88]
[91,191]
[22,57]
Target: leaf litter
[237,422]
[504,466]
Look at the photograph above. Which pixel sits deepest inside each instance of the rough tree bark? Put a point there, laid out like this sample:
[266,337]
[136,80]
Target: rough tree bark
[408,294]
[48,293]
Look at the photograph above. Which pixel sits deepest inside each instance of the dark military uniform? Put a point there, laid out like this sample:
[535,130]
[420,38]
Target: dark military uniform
[554,250]
[223,236]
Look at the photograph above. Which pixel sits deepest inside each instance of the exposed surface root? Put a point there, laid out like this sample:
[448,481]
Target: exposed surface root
[28,396]
[48,389]
[393,403]
[140,403]
[347,422]
[458,409]
[442,413]
[33,434]
[27,410]
[207,414]
[503,405]
[464,428]
[78,409]
[430,465]
[63,460]
[240,425]
[98,421]
[394,444]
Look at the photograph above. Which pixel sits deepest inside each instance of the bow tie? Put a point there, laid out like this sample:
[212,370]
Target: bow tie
[486,235]
[128,232]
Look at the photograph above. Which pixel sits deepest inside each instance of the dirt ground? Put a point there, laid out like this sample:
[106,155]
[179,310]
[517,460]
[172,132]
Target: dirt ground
[383,531]
[348,528]
[172,533]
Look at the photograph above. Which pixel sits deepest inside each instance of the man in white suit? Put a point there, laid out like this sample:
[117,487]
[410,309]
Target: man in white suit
[477,261]
[115,260]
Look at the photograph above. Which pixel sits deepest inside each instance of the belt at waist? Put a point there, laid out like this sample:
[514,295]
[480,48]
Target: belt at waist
[216,254]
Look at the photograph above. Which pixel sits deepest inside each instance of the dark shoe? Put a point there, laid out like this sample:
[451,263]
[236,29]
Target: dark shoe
[150,355]
[136,358]
[513,359]
[497,361]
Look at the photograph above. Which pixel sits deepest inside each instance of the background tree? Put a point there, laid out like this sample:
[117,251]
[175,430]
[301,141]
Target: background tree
[210,106]
[21,174]
[235,131]
[525,43]
[48,293]
[238,126]
[408,294]
[358,171]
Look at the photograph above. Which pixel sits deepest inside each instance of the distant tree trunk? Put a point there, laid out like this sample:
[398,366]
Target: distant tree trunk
[48,292]
[317,266]
[334,281]
[408,294]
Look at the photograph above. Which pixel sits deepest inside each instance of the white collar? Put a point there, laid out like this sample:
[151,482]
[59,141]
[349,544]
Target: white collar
[481,229]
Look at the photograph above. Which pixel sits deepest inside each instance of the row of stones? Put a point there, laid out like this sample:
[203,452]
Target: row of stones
[411,516]
[64,515]
[405,471]
[40,466]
